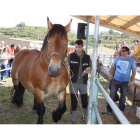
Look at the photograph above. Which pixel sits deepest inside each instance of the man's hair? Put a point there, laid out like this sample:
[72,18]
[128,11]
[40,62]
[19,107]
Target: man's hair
[79,42]
[135,40]
[12,45]
[125,47]
[138,40]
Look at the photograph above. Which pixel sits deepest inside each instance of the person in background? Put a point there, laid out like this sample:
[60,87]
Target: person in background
[136,54]
[115,55]
[135,45]
[28,48]
[2,45]
[11,55]
[120,76]
[78,62]
[117,48]
[18,48]
[99,66]
[4,62]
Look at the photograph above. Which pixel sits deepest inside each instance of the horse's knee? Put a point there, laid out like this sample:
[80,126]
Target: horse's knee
[56,115]
[40,109]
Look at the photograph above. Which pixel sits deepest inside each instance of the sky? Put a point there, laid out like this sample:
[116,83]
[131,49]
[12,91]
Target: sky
[42,21]
[35,12]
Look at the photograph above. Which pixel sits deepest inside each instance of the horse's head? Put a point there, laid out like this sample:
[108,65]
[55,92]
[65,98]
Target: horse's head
[55,46]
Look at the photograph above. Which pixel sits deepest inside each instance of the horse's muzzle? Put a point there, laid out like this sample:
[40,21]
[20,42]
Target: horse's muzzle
[53,71]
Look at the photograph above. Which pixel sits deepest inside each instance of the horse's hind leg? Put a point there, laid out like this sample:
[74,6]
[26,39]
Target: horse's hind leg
[40,108]
[57,114]
[35,104]
[18,95]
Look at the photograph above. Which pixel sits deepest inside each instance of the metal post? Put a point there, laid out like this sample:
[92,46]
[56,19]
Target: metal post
[110,60]
[104,59]
[87,33]
[0,67]
[97,114]
[101,49]
[93,71]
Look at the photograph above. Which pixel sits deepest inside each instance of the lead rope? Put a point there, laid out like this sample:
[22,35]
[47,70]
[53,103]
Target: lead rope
[70,82]
[83,117]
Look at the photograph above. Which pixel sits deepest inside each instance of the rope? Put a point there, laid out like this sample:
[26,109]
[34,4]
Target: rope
[83,117]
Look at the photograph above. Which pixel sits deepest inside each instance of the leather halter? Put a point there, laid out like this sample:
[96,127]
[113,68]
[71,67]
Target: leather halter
[57,53]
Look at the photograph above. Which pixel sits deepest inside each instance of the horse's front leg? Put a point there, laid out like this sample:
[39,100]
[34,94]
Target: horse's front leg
[56,115]
[40,108]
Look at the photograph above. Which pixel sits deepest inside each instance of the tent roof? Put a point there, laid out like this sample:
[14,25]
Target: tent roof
[126,24]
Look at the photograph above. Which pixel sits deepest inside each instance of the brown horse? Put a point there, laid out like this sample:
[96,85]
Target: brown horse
[43,72]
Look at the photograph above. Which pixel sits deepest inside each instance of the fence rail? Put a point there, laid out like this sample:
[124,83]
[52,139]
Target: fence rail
[114,107]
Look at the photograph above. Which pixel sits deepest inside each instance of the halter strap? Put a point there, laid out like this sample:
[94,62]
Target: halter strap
[57,53]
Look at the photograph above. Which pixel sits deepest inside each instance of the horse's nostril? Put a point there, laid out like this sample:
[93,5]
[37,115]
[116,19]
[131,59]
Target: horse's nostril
[50,69]
[53,71]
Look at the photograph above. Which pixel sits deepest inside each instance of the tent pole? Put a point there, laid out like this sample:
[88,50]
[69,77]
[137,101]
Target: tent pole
[93,71]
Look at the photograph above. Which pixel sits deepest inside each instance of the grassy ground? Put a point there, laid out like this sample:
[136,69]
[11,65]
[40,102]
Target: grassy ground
[10,114]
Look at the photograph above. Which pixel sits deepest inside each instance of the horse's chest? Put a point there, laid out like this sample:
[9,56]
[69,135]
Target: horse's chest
[54,90]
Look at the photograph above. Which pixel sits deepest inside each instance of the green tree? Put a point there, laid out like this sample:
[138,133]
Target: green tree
[72,42]
[111,31]
[21,24]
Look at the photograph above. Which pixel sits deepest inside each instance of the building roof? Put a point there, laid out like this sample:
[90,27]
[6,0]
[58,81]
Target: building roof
[127,24]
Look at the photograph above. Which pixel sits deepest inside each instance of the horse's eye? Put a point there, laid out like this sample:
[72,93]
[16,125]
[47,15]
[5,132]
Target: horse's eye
[66,45]
[49,42]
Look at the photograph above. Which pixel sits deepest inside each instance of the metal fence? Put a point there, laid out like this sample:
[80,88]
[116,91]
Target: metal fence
[95,113]
[106,59]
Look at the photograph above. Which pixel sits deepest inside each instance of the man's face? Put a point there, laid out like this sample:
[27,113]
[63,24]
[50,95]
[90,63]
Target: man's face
[135,43]
[124,52]
[2,43]
[115,55]
[78,49]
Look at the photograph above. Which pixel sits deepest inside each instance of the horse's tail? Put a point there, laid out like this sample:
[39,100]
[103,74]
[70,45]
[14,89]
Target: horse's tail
[18,95]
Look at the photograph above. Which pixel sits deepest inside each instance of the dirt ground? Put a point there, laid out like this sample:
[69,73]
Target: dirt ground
[10,114]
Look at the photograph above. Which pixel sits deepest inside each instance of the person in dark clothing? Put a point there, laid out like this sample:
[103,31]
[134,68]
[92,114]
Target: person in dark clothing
[79,61]
[99,66]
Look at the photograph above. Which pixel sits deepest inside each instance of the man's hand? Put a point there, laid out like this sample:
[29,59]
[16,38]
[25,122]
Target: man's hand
[111,77]
[88,70]
[130,83]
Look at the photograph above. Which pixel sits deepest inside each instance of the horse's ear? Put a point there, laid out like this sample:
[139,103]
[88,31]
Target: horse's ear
[50,25]
[67,27]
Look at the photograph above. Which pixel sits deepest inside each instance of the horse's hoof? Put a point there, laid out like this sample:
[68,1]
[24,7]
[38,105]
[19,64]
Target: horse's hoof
[40,122]
[56,116]
[19,104]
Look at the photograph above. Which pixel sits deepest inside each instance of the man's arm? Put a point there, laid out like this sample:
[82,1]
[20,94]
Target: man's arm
[132,76]
[112,70]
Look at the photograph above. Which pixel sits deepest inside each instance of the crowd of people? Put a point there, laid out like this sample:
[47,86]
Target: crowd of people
[120,76]
[79,61]
[7,55]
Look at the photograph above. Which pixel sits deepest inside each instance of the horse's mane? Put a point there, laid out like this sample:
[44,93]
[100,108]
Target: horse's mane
[56,29]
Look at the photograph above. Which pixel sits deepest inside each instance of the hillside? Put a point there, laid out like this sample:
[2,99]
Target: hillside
[39,33]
